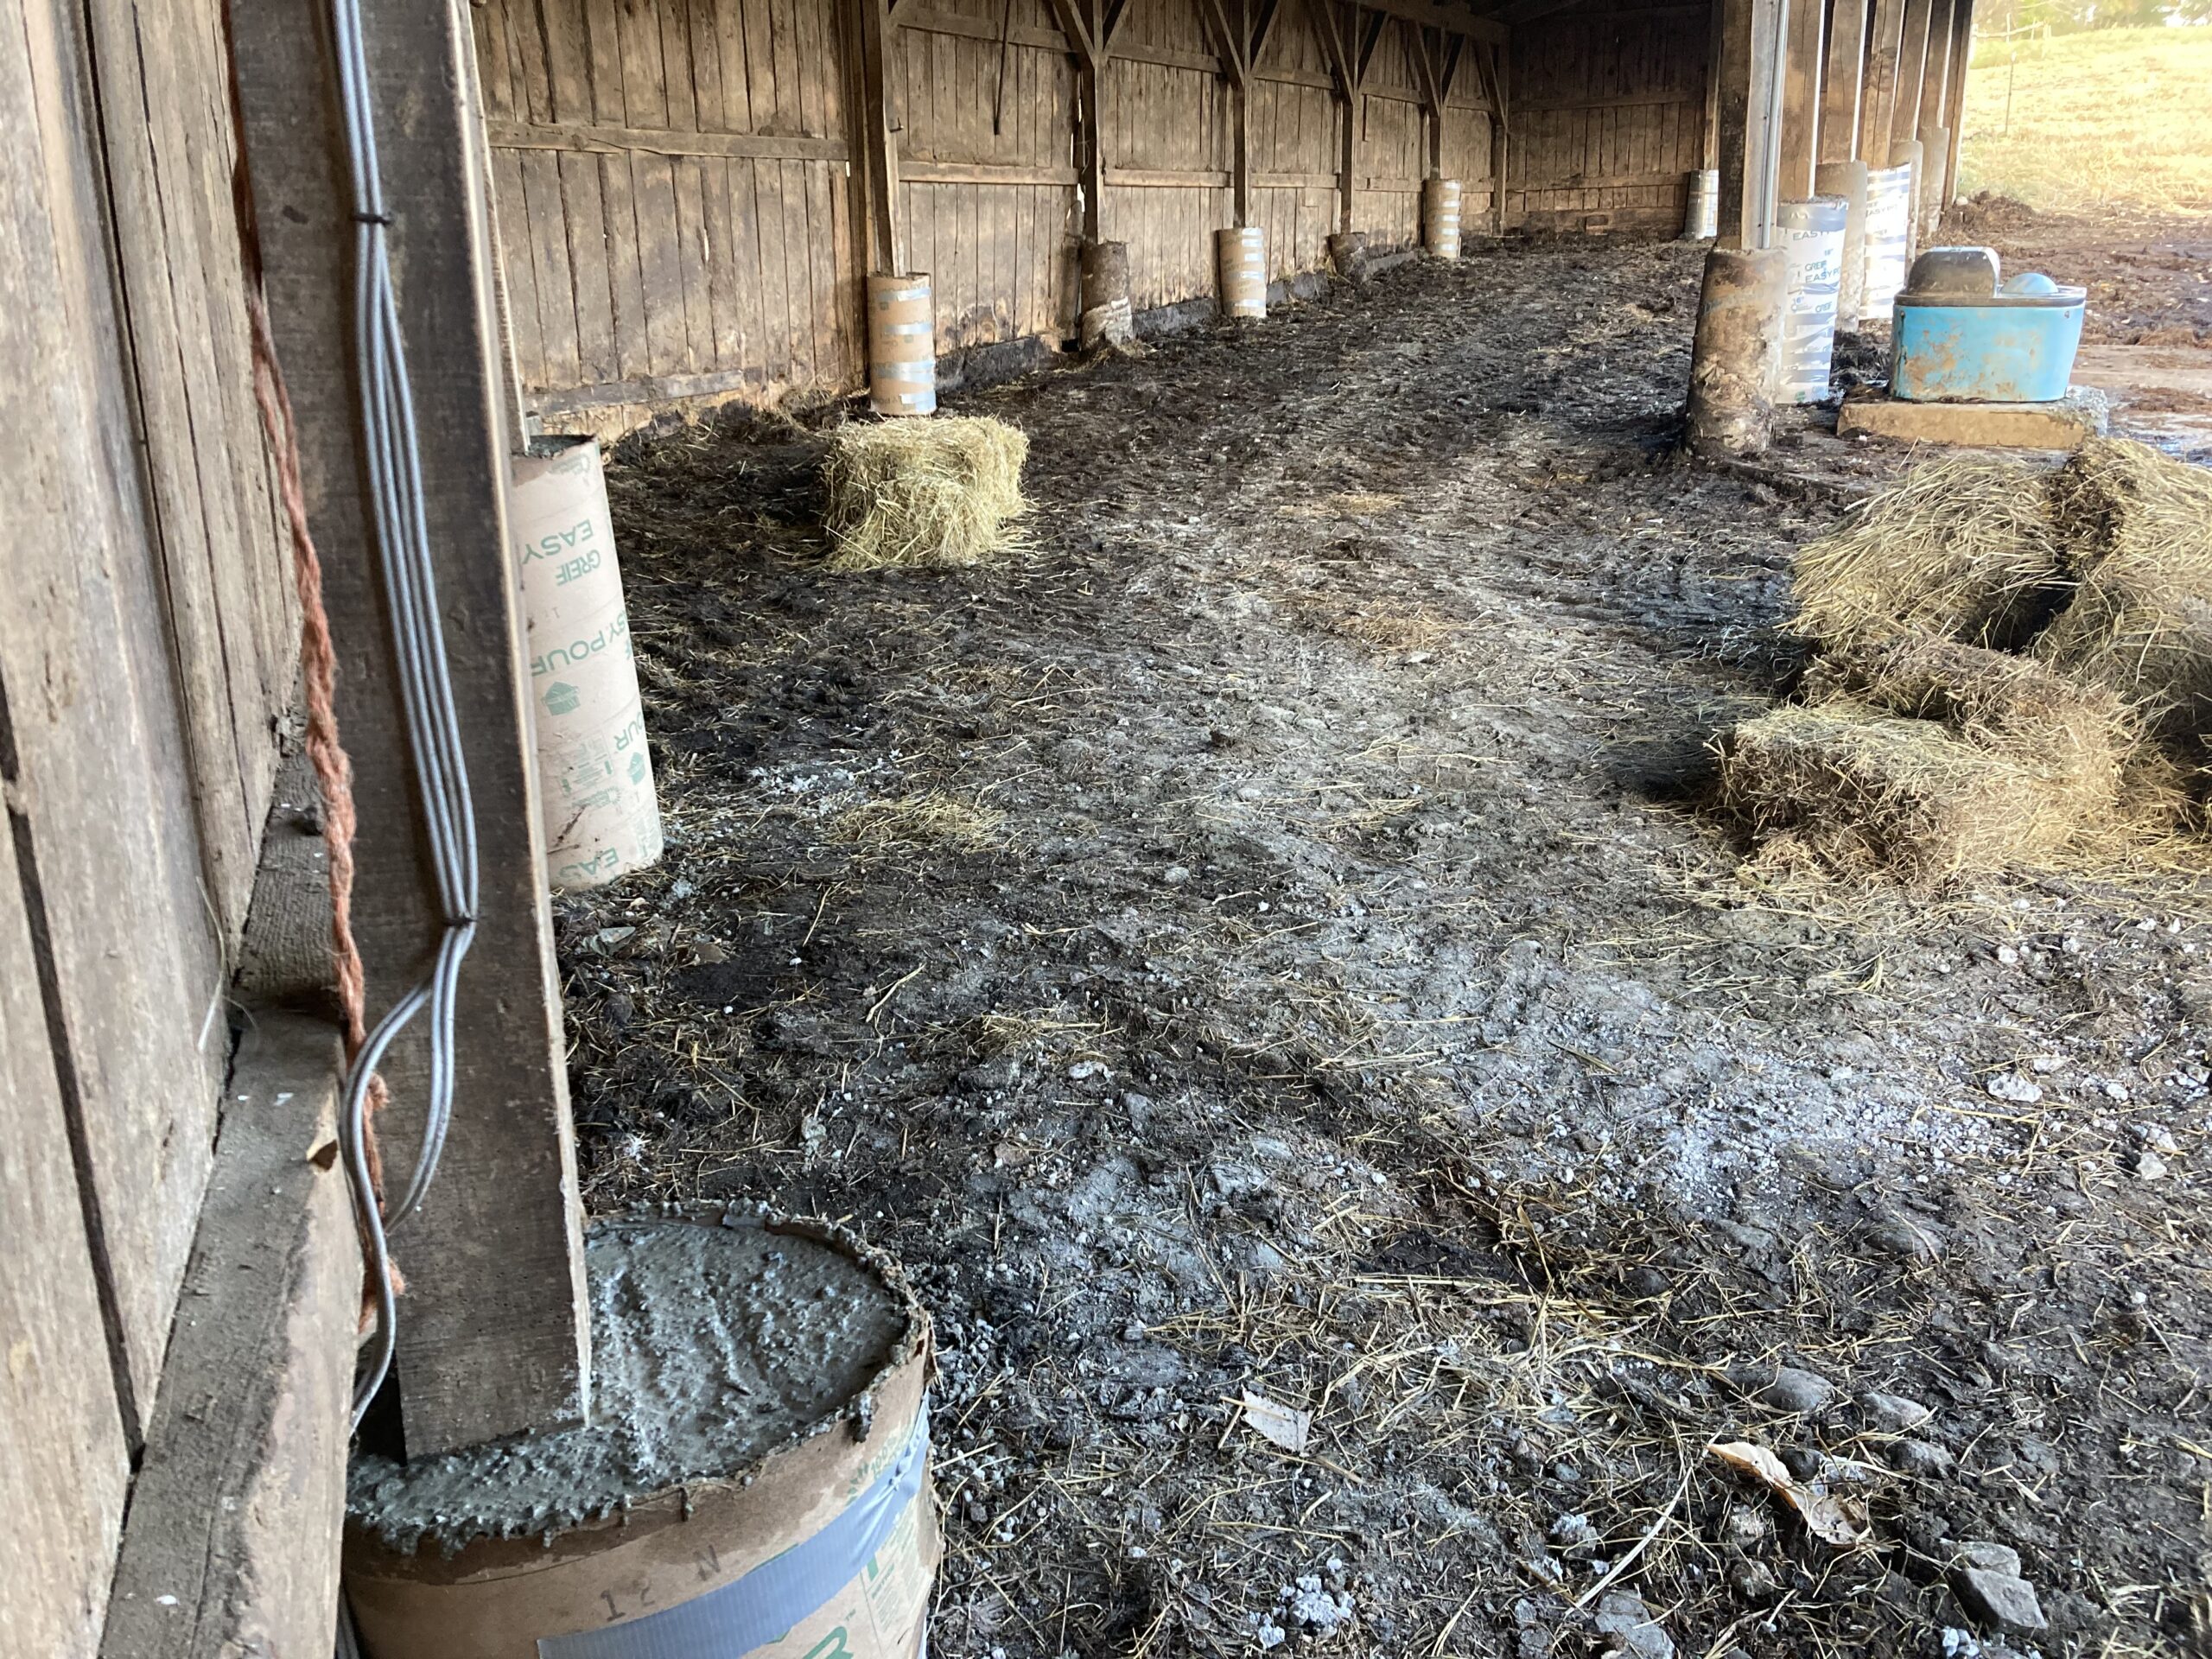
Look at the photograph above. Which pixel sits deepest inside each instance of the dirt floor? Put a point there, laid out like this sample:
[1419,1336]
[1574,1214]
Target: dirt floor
[1265,950]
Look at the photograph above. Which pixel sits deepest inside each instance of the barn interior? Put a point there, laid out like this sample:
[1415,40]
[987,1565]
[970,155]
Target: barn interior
[1378,1150]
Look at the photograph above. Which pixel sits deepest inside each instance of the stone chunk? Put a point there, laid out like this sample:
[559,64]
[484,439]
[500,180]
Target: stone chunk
[2000,1599]
[1630,1630]
[1895,1412]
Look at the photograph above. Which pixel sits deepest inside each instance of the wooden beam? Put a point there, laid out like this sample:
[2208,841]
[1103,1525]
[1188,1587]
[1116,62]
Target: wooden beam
[1422,50]
[1494,59]
[1749,104]
[1232,24]
[1885,40]
[255,1387]
[1452,19]
[493,1336]
[1843,75]
[878,116]
[1087,27]
[1934,74]
[1912,63]
[1370,37]
[1263,25]
[1450,71]
[1801,101]
[1709,140]
[1954,100]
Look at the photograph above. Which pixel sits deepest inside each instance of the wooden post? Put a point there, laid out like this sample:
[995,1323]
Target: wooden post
[1709,144]
[1801,101]
[1425,48]
[1339,52]
[1088,26]
[879,124]
[1843,80]
[493,1335]
[1233,25]
[1752,35]
[1954,100]
[1885,39]
[1498,135]
[1912,63]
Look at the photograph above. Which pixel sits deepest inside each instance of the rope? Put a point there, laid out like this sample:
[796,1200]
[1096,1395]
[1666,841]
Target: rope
[333,769]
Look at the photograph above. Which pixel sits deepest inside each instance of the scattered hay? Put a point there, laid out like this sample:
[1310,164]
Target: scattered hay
[2139,525]
[932,819]
[1960,550]
[2078,739]
[1861,788]
[923,492]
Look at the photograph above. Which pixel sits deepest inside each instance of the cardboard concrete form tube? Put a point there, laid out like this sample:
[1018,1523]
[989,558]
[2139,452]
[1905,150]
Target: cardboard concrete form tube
[1243,251]
[1105,318]
[598,810]
[1934,146]
[1848,180]
[1889,236]
[1439,217]
[901,345]
[1701,205]
[498,1598]
[1908,153]
[1733,356]
[1811,234]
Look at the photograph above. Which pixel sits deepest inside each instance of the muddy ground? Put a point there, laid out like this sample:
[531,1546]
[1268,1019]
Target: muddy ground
[1268,943]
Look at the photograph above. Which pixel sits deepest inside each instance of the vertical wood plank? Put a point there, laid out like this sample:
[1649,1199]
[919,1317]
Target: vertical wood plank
[1801,99]
[493,1340]
[107,848]
[1843,74]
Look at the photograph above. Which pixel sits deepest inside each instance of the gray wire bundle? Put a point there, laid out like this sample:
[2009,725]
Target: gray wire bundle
[426,695]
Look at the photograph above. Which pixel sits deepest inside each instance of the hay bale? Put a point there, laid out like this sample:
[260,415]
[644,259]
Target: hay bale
[1960,550]
[1858,788]
[931,493]
[2079,739]
[2138,525]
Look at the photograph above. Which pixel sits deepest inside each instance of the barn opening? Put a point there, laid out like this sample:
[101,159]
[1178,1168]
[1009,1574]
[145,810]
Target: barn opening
[1325,912]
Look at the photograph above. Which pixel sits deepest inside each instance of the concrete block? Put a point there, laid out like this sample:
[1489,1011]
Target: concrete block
[2082,413]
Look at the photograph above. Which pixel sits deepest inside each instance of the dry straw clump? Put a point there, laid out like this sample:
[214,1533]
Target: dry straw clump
[1961,550]
[2139,525]
[923,492]
[2076,739]
[1858,788]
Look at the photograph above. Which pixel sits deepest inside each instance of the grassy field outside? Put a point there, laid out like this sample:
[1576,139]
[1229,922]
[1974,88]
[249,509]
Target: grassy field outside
[2113,117]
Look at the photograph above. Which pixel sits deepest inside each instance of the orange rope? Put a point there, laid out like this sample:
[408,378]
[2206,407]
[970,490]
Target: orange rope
[319,671]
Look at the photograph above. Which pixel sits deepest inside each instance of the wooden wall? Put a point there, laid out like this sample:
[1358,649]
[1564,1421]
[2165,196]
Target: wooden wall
[673,195]
[1388,158]
[676,195]
[1607,113]
[1293,145]
[987,174]
[148,649]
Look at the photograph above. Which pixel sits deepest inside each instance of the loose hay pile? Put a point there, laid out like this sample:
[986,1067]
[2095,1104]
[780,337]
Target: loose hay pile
[1925,746]
[923,492]
[2138,526]
[1963,549]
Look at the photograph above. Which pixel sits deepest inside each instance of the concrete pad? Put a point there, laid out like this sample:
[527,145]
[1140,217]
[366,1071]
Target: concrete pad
[2081,414]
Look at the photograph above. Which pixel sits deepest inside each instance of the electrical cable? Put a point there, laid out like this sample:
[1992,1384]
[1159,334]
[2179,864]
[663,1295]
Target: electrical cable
[403,541]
